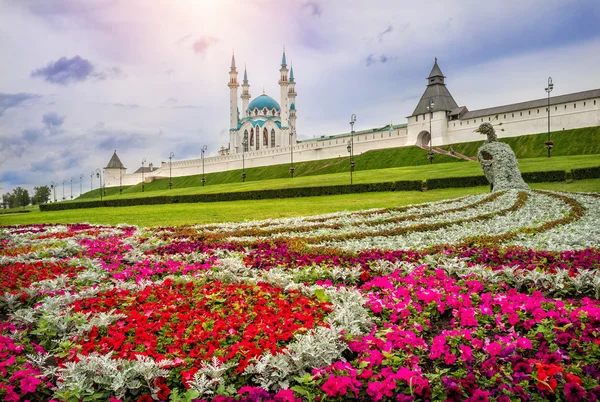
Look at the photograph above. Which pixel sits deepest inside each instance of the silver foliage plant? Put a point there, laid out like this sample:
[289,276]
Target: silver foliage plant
[104,373]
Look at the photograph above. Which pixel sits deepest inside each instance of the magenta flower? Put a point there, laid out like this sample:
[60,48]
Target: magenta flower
[29,384]
[574,392]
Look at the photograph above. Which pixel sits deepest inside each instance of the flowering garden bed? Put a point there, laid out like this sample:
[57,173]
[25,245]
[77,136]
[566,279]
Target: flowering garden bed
[486,297]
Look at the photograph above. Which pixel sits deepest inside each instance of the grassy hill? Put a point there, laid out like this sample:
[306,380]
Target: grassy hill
[580,141]
[421,172]
[573,149]
[379,159]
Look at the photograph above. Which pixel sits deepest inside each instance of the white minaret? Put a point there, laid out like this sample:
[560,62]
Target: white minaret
[245,93]
[285,104]
[233,87]
[292,99]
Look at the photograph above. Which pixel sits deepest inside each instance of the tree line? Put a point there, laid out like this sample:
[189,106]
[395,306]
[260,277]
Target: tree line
[20,197]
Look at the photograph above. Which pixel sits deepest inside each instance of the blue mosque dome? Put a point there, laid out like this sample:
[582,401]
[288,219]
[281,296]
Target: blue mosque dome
[264,101]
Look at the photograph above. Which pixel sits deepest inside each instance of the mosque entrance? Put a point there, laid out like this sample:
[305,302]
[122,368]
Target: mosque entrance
[423,139]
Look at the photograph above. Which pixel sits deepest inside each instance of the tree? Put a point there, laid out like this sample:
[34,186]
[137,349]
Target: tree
[20,197]
[41,195]
[6,200]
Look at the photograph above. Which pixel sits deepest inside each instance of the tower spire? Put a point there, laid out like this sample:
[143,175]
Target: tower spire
[245,75]
[232,60]
[283,62]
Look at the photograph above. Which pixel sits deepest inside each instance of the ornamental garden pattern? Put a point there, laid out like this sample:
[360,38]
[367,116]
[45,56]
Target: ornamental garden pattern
[482,298]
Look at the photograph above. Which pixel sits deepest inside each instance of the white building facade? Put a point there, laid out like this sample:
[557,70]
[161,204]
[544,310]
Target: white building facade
[265,132]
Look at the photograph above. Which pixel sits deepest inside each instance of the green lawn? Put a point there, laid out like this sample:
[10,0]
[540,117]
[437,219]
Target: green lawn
[422,172]
[379,159]
[578,141]
[235,211]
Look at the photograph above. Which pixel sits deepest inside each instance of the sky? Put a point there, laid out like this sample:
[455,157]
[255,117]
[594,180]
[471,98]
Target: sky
[79,79]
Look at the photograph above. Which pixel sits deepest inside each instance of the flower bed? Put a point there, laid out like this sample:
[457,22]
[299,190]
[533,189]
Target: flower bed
[487,297]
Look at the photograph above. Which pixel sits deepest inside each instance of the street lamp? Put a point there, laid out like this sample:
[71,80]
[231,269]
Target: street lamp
[63,197]
[99,176]
[430,109]
[549,88]
[91,181]
[171,155]
[202,151]
[351,145]
[143,161]
[120,180]
[292,151]
[244,145]
[80,184]
[53,187]
[71,187]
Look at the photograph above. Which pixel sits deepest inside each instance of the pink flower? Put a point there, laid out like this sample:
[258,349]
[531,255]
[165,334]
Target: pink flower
[29,384]
[494,348]
[334,386]
[524,343]
[285,395]
[466,353]
[513,319]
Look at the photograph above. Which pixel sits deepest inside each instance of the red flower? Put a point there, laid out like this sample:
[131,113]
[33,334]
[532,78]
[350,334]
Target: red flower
[145,398]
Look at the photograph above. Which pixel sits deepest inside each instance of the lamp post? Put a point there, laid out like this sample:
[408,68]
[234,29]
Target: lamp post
[351,145]
[244,145]
[171,155]
[430,109]
[71,187]
[120,180]
[549,88]
[99,176]
[80,184]
[292,151]
[143,161]
[91,181]
[53,187]
[202,151]
[63,196]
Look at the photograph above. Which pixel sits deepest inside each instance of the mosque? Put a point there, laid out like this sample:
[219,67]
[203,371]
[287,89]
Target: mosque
[264,133]
[265,124]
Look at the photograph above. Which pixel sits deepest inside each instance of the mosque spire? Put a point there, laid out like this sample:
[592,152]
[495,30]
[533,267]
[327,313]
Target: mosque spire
[232,60]
[292,73]
[245,75]
[283,62]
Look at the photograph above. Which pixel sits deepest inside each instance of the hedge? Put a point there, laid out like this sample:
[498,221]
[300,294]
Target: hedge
[453,182]
[407,185]
[541,177]
[586,173]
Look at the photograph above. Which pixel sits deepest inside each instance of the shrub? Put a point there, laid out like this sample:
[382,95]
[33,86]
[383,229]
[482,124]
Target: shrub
[540,177]
[453,182]
[586,173]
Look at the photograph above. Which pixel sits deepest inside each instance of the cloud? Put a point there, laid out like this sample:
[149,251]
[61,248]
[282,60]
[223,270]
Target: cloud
[373,59]
[184,39]
[30,135]
[124,105]
[13,177]
[169,71]
[202,45]
[187,107]
[52,121]
[386,31]
[313,7]
[8,101]
[171,101]
[120,139]
[66,71]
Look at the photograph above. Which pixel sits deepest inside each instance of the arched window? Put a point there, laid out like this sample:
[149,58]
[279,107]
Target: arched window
[272,138]
[245,140]
[265,137]
[257,138]
[273,111]
[251,137]
[265,111]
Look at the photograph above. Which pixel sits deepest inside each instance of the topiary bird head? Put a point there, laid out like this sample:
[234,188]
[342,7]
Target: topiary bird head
[487,129]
